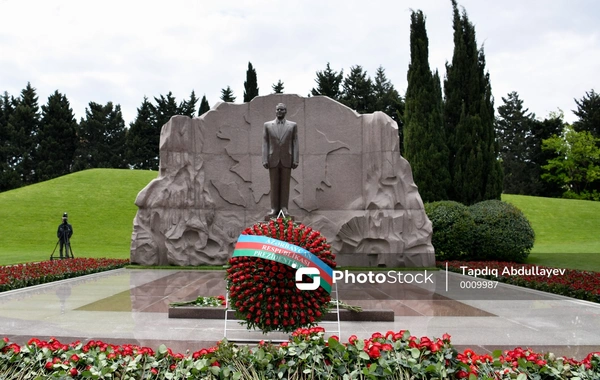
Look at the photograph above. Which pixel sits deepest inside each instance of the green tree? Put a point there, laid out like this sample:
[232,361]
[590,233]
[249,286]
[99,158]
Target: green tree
[188,107]
[328,83]
[387,99]
[424,138]
[227,95]
[469,117]
[542,130]
[9,179]
[577,165]
[358,91]
[23,125]
[204,106]
[588,111]
[102,138]
[251,84]
[278,87]
[142,141]
[57,142]
[165,108]
[514,128]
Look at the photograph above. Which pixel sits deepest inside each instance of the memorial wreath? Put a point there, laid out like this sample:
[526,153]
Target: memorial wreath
[263,292]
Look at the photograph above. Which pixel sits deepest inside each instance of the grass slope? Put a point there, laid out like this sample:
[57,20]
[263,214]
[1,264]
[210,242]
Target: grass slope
[567,231]
[101,208]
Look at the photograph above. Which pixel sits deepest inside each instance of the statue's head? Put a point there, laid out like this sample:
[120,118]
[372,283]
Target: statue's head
[280,110]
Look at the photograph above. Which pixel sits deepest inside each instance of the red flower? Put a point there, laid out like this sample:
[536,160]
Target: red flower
[374,352]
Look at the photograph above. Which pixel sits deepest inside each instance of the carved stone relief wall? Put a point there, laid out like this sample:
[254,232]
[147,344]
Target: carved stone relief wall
[351,184]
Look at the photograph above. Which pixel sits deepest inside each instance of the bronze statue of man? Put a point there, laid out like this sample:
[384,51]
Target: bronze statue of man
[280,156]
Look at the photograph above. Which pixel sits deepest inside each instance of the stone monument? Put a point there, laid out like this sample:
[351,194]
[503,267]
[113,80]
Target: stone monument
[351,184]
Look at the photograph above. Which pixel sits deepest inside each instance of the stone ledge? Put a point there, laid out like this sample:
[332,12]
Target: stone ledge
[368,315]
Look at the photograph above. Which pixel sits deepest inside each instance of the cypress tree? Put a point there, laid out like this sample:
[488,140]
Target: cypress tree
[424,138]
[57,141]
[142,141]
[475,171]
[251,84]
[328,83]
[204,107]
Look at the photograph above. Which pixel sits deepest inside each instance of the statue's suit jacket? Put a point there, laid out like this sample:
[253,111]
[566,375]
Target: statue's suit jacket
[280,144]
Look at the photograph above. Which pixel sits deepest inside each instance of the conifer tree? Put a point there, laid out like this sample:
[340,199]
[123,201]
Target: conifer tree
[102,137]
[514,128]
[588,111]
[227,95]
[165,108]
[328,83]
[57,142]
[204,106]
[251,84]
[387,99]
[424,138]
[142,142]
[278,87]
[23,125]
[188,107]
[9,179]
[358,91]
[469,118]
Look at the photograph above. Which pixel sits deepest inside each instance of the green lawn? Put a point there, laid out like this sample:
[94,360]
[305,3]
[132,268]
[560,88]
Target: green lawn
[567,231]
[100,204]
[101,208]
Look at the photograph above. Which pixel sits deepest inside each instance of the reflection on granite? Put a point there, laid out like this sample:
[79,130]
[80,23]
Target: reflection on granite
[131,306]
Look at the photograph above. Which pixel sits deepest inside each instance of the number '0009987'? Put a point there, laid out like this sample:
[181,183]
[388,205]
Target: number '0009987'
[478,284]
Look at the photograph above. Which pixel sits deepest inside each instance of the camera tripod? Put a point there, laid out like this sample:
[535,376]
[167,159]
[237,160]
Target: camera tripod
[66,245]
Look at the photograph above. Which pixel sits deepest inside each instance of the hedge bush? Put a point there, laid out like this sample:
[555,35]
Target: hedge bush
[489,230]
[502,232]
[453,228]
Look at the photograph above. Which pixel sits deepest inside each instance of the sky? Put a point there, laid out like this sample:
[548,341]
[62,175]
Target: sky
[548,51]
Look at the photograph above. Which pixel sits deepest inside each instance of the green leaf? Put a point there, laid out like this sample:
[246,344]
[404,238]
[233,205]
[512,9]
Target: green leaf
[415,353]
[363,355]
[162,349]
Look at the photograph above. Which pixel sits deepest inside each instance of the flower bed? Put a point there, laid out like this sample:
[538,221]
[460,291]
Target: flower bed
[22,275]
[573,283]
[307,355]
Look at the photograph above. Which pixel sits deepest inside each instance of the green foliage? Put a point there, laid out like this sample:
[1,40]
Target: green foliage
[542,130]
[502,232]
[588,111]
[278,87]
[8,177]
[469,117]
[57,139]
[102,137]
[328,83]
[227,95]
[188,107]
[142,139]
[251,84]
[576,167]
[488,230]
[424,139]
[204,106]
[453,227]
[514,127]
[358,91]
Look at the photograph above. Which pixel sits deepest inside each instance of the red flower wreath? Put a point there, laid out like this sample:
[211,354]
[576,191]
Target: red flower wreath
[263,292]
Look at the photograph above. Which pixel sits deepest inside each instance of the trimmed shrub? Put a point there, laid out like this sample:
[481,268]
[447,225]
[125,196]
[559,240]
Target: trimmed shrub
[453,228]
[502,232]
